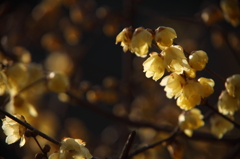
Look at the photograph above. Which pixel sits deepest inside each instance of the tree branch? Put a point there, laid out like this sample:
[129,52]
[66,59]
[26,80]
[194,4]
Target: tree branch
[127,146]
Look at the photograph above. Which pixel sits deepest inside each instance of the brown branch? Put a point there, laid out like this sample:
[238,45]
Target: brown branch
[172,136]
[127,146]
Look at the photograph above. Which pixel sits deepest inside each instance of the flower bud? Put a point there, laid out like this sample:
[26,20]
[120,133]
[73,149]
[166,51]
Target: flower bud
[58,82]
[207,85]
[198,60]
[164,36]
[46,148]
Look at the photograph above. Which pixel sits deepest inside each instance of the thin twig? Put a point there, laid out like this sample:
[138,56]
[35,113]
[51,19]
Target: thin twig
[31,85]
[225,117]
[30,127]
[215,74]
[234,53]
[127,145]
[173,134]
[44,153]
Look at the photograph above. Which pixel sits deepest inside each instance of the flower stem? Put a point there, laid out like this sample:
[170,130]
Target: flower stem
[32,84]
[215,74]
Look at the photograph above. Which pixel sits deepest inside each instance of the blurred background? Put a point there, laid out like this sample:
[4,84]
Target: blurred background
[77,37]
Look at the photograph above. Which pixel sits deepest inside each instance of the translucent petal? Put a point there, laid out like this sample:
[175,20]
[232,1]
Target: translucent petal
[22,141]
[188,132]
[149,74]
[164,81]
[12,138]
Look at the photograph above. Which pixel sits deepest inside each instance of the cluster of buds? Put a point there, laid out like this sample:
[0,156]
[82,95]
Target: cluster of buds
[181,83]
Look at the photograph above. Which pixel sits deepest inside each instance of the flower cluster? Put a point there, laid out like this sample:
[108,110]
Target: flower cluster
[229,100]
[181,83]
[71,149]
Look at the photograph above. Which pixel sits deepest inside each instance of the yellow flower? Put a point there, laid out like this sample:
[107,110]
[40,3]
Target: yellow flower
[207,85]
[14,130]
[198,60]
[175,60]
[190,121]
[124,37]
[231,11]
[191,96]
[173,85]
[232,85]
[71,149]
[227,104]
[164,37]
[219,126]
[153,66]
[140,42]
[137,42]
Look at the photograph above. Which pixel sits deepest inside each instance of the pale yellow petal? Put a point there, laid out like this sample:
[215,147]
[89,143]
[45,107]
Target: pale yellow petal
[22,141]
